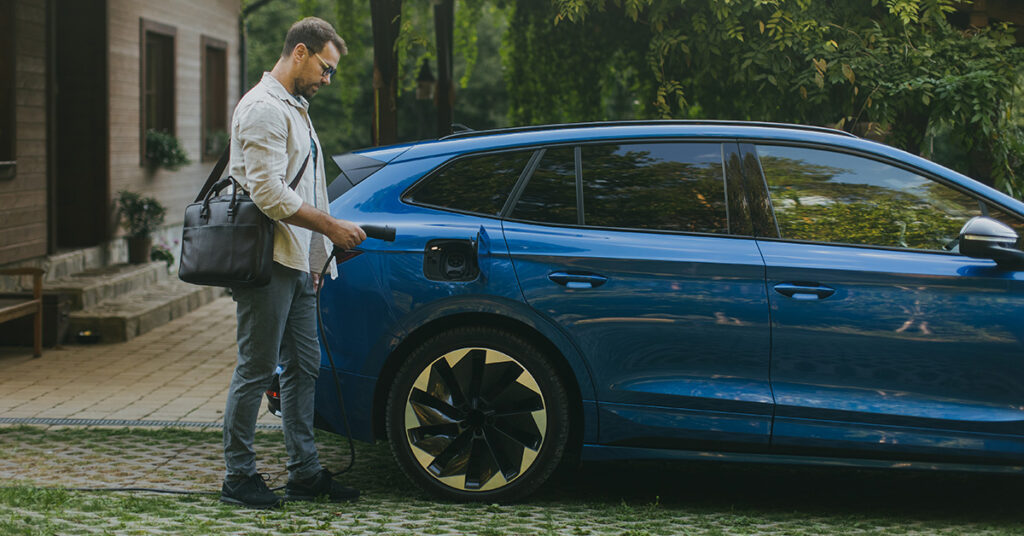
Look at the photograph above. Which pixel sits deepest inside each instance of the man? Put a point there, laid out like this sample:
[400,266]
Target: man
[272,139]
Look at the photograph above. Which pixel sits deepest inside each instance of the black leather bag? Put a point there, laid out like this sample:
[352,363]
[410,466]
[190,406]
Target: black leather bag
[227,241]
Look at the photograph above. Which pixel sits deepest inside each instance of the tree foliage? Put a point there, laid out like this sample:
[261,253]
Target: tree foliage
[341,111]
[897,67]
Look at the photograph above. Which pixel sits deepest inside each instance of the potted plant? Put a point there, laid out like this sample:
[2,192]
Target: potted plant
[140,217]
[164,150]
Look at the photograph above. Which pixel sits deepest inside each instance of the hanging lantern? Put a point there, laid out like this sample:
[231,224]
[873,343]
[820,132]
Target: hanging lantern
[425,82]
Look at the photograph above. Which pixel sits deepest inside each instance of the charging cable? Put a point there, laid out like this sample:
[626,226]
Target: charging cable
[380,232]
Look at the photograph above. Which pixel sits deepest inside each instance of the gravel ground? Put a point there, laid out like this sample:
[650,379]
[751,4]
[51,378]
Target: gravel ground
[39,465]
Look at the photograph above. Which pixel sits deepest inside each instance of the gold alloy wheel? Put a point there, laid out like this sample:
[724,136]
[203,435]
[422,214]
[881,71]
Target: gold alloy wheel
[475,419]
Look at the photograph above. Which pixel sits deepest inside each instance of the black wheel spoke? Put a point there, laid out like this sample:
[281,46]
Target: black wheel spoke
[447,377]
[481,465]
[442,465]
[506,375]
[515,412]
[442,408]
[427,431]
[502,451]
[520,430]
[517,398]
[477,360]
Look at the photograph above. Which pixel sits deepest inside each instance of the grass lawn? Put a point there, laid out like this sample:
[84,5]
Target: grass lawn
[635,498]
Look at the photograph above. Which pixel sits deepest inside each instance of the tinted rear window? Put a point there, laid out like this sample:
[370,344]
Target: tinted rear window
[478,184]
[665,186]
[550,196]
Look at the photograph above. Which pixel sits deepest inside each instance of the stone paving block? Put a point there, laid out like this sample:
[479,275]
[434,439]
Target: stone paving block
[176,372]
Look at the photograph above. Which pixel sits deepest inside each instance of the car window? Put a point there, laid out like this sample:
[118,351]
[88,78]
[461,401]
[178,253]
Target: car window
[478,184]
[550,194]
[827,196]
[666,186]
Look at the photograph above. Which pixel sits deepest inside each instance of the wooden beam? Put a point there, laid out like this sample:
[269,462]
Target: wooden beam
[386,21]
[444,34]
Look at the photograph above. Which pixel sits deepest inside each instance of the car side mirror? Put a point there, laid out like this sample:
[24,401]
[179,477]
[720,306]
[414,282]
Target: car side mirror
[985,238]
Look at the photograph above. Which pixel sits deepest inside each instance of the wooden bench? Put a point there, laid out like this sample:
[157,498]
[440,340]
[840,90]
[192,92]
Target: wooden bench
[11,308]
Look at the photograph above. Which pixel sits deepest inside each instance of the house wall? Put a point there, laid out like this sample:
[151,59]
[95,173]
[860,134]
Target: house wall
[191,19]
[23,199]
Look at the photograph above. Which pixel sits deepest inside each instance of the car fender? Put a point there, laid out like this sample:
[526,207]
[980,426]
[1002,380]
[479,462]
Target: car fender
[474,304]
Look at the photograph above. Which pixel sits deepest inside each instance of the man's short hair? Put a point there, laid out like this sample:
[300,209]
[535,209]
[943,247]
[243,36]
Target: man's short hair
[314,33]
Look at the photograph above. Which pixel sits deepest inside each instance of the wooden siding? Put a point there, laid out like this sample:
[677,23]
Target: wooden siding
[23,199]
[192,19]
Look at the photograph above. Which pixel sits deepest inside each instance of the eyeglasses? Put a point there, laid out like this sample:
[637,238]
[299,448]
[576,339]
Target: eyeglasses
[328,70]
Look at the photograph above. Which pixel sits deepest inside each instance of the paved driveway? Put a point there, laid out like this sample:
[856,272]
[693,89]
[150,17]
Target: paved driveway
[177,373]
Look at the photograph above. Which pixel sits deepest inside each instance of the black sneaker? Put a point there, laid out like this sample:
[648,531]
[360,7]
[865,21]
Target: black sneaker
[321,485]
[251,491]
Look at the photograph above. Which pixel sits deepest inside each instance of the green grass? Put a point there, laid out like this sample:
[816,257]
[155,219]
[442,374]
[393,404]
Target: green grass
[634,498]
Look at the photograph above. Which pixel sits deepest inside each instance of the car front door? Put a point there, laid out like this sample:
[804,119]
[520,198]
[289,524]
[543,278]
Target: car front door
[885,342]
[641,253]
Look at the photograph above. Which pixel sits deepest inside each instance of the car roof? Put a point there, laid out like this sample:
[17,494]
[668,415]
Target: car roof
[650,122]
[510,138]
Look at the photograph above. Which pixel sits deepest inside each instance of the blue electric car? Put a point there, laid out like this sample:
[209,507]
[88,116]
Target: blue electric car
[673,290]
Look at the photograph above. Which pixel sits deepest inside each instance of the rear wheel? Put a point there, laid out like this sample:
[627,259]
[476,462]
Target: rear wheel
[478,414]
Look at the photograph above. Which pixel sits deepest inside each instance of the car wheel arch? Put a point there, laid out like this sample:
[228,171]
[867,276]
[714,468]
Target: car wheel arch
[489,320]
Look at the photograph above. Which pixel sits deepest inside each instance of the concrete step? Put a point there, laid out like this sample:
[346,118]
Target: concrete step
[128,316]
[94,285]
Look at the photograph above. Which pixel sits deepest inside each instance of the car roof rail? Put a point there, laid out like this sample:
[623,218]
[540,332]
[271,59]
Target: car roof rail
[710,122]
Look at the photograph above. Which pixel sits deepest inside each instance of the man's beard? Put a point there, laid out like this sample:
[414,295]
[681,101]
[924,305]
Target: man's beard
[305,90]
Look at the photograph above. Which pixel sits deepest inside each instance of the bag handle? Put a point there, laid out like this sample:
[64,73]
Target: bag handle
[218,170]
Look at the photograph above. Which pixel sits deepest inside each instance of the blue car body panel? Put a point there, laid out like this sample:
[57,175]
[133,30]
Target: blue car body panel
[682,347]
[921,352]
[679,323]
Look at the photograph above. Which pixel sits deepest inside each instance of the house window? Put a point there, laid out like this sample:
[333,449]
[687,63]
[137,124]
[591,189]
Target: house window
[7,120]
[215,96]
[157,78]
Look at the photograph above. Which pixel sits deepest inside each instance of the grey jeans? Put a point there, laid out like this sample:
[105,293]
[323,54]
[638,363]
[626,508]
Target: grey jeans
[276,324]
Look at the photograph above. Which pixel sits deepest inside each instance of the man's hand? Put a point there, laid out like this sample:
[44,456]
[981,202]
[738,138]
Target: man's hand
[316,280]
[345,234]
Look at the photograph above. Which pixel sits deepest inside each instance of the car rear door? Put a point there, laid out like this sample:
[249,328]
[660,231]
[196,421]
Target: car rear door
[641,252]
[884,341]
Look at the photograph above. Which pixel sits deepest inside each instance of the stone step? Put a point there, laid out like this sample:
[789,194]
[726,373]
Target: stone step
[62,264]
[94,285]
[128,316]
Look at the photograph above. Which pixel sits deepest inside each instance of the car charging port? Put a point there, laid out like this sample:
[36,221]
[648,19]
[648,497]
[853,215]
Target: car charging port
[450,260]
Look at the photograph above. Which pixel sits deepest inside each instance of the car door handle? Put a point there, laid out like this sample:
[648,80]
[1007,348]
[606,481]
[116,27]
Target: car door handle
[804,291]
[578,280]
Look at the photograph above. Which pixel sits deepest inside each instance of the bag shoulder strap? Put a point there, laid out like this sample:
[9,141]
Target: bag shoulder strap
[218,170]
[295,181]
[215,174]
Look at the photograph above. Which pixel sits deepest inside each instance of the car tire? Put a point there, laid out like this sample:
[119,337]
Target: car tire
[478,414]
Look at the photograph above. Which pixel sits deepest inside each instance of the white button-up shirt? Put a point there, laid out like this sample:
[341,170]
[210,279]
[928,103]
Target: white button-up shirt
[271,134]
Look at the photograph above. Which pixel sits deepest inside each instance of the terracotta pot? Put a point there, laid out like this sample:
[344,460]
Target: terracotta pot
[139,248]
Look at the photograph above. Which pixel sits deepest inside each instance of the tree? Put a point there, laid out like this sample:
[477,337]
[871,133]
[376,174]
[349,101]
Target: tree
[897,67]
